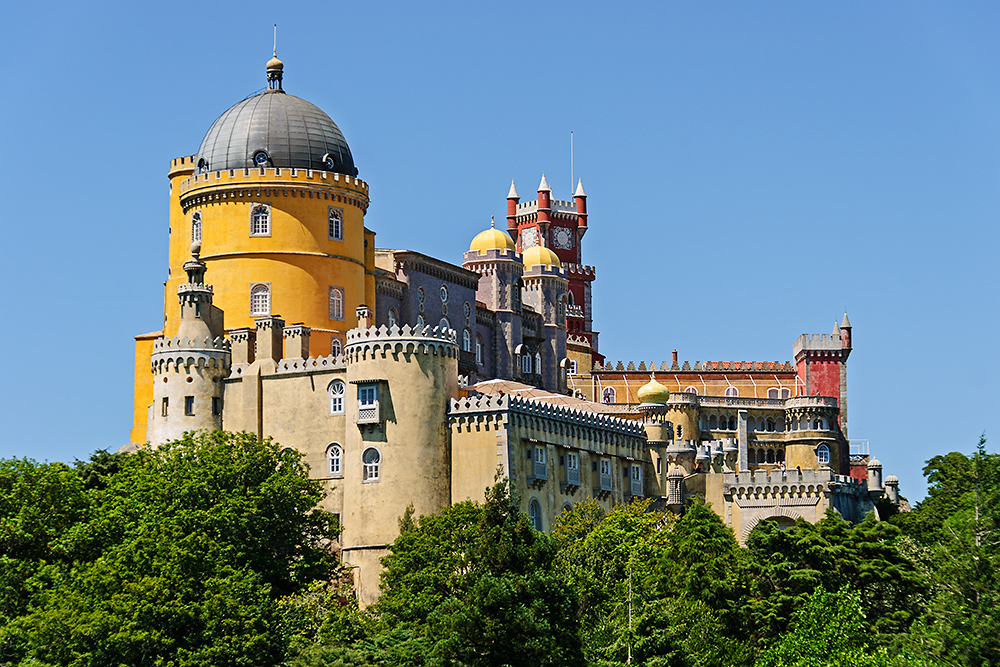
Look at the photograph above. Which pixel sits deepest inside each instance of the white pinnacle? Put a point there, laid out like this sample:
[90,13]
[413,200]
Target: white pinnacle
[579,190]
[544,185]
[513,191]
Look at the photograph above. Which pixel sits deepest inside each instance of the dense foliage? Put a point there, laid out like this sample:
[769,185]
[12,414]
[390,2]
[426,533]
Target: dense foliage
[211,551]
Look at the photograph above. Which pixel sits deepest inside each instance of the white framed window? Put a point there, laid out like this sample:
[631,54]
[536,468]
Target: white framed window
[420,294]
[467,340]
[778,392]
[732,392]
[606,467]
[609,395]
[535,514]
[526,363]
[260,300]
[196,227]
[538,362]
[479,350]
[468,311]
[444,294]
[393,317]
[336,347]
[572,367]
[691,390]
[370,461]
[367,395]
[420,321]
[335,219]
[335,460]
[260,220]
[573,461]
[444,324]
[636,473]
[336,391]
[823,455]
[539,454]
[336,303]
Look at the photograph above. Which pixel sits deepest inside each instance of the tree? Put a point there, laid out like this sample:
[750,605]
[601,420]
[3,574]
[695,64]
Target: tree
[474,585]
[182,560]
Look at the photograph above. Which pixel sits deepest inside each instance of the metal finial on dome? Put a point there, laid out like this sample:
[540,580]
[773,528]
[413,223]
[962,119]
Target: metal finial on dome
[493,224]
[275,68]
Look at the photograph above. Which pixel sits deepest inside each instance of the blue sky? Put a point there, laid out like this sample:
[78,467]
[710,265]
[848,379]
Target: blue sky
[754,168]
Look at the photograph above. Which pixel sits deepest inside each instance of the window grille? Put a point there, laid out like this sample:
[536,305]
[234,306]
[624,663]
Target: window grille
[260,220]
[371,460]
[336,224]
[336,303]
[260,300]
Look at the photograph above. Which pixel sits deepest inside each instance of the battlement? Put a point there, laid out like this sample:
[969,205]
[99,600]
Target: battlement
[271,174]
[218,344]
[574,311]
[441,341]
[475,405]
[194,287]
[312,364]
[472,256]
[250,184]
[177,352]
[699,366]
[768,481]
[817,342]
[544,271]
[580,270]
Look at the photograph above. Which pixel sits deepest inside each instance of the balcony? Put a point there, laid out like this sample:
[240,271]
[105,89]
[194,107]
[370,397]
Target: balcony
[635,487]
[369,413]
[571,480]
[604,485]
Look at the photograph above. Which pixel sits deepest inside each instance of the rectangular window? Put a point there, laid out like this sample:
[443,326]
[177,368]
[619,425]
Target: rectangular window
[572,367]
[216,405]
[336,303]
[336,224]
[189,405]
[164,406]
[260,220]
[368,404]
[573,461]
[659,466]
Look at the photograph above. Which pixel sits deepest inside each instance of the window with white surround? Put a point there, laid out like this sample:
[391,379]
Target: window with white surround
[467,340]
[732,391]
[778,392]
[608,395]
[368,403]
[260,220]
[335,218]
[444,294]
[420,321]
[691,390]
[393,317]
[479,350]
[526,363]
[336,391]
[572,367]
[538,362]
[823,455]
[370,461]
[260,300]
[336,303]
[335,460]
[196,227]
[336,347]
[535,514]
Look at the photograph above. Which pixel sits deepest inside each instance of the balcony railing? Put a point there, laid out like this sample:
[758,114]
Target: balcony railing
[635,487]
[368,413]
[604,485]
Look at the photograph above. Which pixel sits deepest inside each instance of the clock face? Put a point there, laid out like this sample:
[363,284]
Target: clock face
[529,238]
[562,238]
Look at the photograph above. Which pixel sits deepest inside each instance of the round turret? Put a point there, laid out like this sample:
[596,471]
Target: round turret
[875,477]
[540,255]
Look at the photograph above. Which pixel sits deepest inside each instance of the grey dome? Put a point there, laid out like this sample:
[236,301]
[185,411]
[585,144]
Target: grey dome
[290,132]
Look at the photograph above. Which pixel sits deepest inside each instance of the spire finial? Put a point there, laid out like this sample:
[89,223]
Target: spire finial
[275,67]
[275,51]
[492,223]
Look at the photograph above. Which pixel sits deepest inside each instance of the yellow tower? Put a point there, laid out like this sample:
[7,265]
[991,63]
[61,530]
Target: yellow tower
[274,199]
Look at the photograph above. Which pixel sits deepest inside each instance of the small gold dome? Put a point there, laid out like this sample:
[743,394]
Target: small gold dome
[491,239]
[540,255]
[274,63]
[653,392]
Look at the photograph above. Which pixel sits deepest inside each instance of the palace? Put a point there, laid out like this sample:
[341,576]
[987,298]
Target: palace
[405,379]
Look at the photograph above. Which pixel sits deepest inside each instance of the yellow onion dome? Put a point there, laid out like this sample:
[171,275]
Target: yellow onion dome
[653,392]
[491,239]
[274,63]
[540,255]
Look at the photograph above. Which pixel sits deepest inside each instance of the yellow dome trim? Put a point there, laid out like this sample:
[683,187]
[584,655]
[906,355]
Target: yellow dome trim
[653,392]
[540,255]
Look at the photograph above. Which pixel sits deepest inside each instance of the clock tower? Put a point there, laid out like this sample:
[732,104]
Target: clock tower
[559,225]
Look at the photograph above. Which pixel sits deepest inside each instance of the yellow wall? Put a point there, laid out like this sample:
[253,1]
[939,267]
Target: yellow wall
[143,392]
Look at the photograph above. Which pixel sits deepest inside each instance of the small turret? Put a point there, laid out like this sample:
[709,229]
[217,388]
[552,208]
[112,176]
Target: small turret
[675,489]
[875,477]
[892,489]
[845,333]
[512,201]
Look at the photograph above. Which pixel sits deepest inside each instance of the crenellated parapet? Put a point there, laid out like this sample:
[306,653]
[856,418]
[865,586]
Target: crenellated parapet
[175,353]
[363,343]
[251,184]
[310,365]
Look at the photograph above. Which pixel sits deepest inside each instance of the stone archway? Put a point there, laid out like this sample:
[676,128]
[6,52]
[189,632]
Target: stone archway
[784,516]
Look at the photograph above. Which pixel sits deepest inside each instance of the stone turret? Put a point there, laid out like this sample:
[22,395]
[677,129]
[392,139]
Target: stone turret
[875,478]
[892,489]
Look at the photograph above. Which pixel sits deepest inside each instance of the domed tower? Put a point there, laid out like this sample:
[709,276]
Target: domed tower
[188,369]
[493,256]
[545,288]
[274,199]
[653,398]
[875,478]
[397,449]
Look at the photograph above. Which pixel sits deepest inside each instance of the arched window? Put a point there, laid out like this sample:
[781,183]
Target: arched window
[420,321]
[823,455]
[752,457]
[467,340]
[538,362]
[336,391]
[680,432]
[260,220]
[393,317]
[780,456]
[569,299]
[196,227]
[609,395]
[732,391]
[336,347]
[751,424]
[479,350]
[526,363]
[535,514]
[770,456]
[336,223]
[713,423]
[336,303]
[732,423]
[770,424]
[370,461]
[260,300]
[817,424]
[334,458]
[444,324]
[691,390]
[761,456]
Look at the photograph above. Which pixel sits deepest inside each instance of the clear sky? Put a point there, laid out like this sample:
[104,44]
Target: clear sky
[753,170]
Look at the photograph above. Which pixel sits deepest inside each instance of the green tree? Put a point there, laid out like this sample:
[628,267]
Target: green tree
[182,561]
[475,585]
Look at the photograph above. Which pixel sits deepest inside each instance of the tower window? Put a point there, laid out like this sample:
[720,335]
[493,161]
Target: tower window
[535,514]
[260,300]
[370,461]
[479,350]
[538,362]
[216,405]
[444,294]
[526,363]
[260,220]
[189,405]
[334,458]
[609,395]
[823,455]
[732,391]
[691,390]
[335,218]
[165,406]
[467,340]
[196,227]
[336,347]
[336,303]
[572,367]
[336,391]
[393,317]
[444,324]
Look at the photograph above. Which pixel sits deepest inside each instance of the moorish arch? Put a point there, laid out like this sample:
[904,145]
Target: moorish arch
[784,516]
